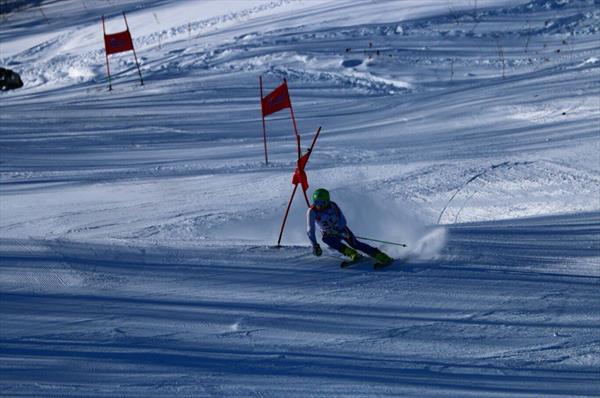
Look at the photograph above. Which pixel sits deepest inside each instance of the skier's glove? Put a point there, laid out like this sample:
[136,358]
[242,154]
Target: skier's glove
[317,250]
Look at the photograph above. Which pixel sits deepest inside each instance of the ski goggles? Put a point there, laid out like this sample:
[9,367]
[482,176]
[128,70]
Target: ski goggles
[321,203]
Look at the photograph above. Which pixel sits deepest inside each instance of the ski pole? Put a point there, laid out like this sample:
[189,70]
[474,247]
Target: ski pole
[381,241]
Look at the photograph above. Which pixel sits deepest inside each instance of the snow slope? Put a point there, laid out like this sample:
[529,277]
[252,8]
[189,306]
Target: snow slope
[519,318]
[136,225]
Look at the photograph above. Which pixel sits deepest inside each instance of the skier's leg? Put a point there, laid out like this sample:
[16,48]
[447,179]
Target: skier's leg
[358,245]
[335,242]
[374,252]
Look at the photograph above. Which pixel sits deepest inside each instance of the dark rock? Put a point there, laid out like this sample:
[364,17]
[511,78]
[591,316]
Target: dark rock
[9,80]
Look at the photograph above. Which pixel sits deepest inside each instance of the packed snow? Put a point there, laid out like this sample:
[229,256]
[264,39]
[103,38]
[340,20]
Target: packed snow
[138,225]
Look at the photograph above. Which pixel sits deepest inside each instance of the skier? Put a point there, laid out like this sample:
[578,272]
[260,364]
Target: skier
[332,223]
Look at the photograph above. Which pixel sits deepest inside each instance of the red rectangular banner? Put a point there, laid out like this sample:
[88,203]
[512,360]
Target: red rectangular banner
[277,100]
[118,42]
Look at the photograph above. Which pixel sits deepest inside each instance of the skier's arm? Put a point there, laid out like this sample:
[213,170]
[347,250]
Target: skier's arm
[310,226]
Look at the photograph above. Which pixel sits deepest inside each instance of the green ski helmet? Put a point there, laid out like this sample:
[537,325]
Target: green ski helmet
[320,196]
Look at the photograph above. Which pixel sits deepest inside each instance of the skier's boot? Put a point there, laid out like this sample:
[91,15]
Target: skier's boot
[382,258]
[353,254]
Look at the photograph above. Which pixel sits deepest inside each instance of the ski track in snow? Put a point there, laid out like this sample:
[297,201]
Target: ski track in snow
[136,225]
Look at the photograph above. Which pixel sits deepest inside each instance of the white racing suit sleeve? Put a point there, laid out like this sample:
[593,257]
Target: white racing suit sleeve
[310,226]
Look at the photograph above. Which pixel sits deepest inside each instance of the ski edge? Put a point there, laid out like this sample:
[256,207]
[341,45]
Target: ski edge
[378,266]
[348,263]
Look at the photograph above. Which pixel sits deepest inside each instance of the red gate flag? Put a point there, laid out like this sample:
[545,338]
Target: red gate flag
[277,100]
[118,42]
[300,175]
[299,178]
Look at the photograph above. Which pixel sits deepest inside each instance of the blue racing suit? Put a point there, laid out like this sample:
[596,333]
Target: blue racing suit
[332,223]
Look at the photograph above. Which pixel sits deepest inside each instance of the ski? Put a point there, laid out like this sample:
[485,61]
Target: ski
[348,263]
[378,265]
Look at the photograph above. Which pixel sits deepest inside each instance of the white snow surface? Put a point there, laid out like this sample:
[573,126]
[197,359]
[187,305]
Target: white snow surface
[137,226]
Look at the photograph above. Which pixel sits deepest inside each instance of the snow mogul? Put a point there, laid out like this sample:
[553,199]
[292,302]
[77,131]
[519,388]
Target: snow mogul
[332,223]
